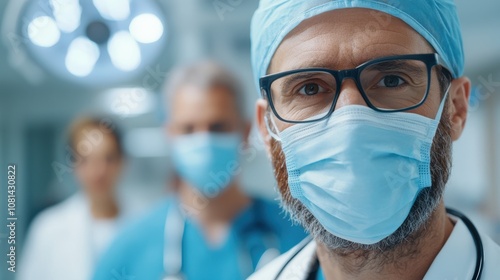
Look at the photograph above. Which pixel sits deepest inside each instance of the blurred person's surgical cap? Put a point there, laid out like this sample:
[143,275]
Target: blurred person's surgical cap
[435,20]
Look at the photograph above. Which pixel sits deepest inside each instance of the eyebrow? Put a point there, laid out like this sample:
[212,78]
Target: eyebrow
[396,65]
[320,63]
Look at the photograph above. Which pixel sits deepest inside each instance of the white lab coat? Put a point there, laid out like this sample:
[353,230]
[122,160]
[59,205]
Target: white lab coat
[455,261]
[64,242]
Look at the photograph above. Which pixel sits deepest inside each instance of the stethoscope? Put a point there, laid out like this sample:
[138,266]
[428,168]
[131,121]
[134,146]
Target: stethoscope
[313,272]
[173,237]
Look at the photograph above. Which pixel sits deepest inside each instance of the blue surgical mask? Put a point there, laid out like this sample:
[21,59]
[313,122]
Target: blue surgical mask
[207,161]
[360,171]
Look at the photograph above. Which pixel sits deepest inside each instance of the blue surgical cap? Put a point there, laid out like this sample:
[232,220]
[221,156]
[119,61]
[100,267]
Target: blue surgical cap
[435,20]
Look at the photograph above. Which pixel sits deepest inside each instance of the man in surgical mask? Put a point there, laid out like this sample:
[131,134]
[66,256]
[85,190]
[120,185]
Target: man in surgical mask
[209,229]
[360,102]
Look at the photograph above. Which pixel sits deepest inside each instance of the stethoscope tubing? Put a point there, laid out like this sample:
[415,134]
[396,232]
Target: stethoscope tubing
[477,241]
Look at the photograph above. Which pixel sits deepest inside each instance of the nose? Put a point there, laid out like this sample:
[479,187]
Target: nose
[349,95]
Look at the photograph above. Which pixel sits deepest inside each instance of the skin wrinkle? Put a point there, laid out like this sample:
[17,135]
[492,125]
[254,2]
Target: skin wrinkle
[365,55]
[410,250]
[354,51]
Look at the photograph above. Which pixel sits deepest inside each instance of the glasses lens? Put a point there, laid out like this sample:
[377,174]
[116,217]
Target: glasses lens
[395,84]
[303,96]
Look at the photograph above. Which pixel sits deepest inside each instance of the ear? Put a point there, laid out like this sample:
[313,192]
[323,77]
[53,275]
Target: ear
[458,105]
[247,128]
[260,112]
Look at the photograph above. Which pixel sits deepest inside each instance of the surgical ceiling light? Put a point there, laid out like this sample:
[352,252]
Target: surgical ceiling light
[43,32]
[124,51]
[67,14]
[146,28]
[98,42]
[113,9]
[82,56]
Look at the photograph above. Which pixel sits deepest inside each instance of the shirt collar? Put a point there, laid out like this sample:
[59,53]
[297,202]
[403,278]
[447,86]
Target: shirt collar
[457,258]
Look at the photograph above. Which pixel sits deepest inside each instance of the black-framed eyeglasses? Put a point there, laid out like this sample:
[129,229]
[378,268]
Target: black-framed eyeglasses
[387,84]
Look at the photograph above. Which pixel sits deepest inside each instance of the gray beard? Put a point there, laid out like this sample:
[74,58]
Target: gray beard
[412,228]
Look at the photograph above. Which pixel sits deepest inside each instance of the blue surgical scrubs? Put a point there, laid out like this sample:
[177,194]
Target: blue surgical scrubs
[320,275]
[137,253]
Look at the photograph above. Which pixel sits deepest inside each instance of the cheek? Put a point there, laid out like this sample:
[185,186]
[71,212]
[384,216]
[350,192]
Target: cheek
[82,172]
[435,94]
[114,170]
[274,123]
[110,170]
[430,107]
[280,171]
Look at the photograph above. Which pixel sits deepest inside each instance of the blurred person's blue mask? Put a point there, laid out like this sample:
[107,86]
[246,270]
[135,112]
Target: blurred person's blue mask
[207,161]
[360,171]
[435,20]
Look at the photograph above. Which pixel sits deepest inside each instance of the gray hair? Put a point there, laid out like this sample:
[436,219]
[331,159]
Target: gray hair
[206,74]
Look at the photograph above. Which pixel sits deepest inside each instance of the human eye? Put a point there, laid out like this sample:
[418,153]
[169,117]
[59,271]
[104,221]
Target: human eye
[219,127]
[394,74]
[391,81]
[304,84]
[311,88]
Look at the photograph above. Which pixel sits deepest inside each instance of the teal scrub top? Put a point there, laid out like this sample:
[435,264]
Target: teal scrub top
[320,275]
[137,252]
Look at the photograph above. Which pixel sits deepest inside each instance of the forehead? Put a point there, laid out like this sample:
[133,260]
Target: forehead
[95,140]
[345,38]
[202,103]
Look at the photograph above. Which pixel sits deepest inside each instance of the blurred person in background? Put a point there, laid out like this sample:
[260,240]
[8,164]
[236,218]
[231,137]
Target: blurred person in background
[65,240]
[209,229]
